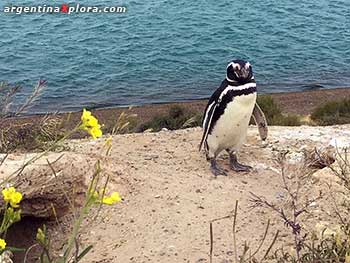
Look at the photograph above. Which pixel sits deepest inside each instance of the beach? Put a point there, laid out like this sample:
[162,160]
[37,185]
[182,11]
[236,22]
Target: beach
[301,103]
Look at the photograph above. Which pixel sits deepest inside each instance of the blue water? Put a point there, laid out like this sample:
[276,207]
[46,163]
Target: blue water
[161,51]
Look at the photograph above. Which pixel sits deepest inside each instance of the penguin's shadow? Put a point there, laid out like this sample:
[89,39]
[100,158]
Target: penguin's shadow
[224,162]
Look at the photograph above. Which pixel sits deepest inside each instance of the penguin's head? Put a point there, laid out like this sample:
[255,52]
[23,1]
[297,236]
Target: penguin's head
[239,71]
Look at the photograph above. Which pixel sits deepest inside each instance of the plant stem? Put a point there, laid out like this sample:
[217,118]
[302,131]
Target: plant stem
[85,210]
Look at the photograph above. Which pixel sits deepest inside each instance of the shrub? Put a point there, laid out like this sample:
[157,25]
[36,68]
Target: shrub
[176,118]
[334,112]
[286,120]
[273,113]
[28,135]
[31,136]
[269,106]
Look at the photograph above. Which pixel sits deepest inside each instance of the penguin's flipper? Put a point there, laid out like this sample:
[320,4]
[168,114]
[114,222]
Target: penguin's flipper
[207,121]
[260,120]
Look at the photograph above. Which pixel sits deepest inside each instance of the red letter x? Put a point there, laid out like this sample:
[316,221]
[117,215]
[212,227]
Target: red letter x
[64,8]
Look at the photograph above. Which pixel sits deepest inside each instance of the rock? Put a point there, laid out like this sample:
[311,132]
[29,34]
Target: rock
[295,157]
[327,175]
[339,143]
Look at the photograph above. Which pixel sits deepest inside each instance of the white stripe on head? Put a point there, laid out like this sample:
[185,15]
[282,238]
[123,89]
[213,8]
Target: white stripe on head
[232,80]
[234,65]
[242,87]
[247,65]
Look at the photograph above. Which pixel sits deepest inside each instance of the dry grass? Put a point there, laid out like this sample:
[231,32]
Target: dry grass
[31,136]
[7,97]
[331,113]
[310,247]
[176,118]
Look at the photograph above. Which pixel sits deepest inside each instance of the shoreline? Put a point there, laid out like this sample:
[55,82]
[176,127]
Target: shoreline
[280,97]
[301,103]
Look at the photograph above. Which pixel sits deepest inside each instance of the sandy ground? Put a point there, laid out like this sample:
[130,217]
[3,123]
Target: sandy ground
[170,195]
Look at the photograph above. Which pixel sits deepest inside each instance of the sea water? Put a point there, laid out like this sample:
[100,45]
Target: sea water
[162,51]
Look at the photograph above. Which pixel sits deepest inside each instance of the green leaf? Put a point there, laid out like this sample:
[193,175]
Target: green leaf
[82,254]
[15,249]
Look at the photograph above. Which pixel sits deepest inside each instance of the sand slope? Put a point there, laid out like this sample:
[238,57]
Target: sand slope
[170,195]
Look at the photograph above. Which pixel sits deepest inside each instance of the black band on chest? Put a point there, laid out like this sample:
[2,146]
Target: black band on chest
[240,92]
[227,98]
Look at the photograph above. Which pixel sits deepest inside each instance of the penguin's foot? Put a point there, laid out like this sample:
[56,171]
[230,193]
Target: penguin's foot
[238,167]
[215,169]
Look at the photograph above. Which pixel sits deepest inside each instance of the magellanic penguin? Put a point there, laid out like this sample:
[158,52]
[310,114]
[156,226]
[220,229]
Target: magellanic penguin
[227,115]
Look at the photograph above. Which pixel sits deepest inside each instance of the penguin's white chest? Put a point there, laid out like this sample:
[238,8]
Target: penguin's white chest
[231,128]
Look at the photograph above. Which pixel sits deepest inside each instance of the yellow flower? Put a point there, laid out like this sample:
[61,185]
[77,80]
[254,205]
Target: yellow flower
[96,132]
[99,197]
[88,120]
[113,198]
[86,115]
[7,192]
[90,124]
[116,197]
[12,196]
[2,244]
